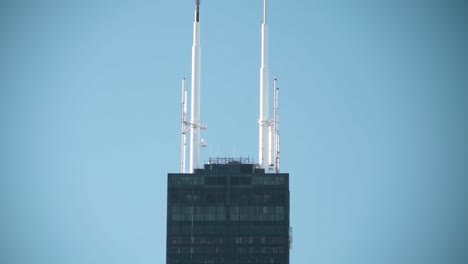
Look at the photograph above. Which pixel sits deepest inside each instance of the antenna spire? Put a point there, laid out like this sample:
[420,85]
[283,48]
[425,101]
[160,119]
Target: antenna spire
[263,122]
[185,127]
[195,100]
[276,137]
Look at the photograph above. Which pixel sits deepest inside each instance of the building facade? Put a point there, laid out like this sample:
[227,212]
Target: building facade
[229,212]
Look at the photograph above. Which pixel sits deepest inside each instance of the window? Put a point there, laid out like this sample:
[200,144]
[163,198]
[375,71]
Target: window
[214,196]
[234,213]
[257,180]
[244,214]
[216,180]
[279,214]
[210,213]
[241,180]
[240,196]
[198,213]
[176,213]
[279,180]
[220,214]
[268,180]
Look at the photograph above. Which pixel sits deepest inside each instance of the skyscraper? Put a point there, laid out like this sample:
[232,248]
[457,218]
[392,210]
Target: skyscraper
[232,210]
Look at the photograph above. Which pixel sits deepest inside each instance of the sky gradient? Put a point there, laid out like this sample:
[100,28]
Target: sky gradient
[373,121]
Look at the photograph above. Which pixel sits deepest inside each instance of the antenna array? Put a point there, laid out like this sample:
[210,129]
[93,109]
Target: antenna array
[269,140]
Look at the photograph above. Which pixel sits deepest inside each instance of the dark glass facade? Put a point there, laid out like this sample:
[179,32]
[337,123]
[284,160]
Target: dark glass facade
[228,213]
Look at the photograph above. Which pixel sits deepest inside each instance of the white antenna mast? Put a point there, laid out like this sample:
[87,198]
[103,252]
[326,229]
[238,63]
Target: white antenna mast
[263,121]
[275,127]
[184,127]
[195,85]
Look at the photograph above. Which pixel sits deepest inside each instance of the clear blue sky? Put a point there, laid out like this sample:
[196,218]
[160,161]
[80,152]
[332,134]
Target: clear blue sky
[374,123]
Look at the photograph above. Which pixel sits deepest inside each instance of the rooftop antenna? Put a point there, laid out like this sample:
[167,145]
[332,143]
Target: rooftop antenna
[195,85]
[185,127]
[276,139]
[263,121]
